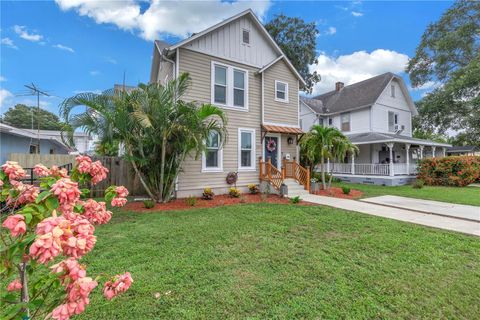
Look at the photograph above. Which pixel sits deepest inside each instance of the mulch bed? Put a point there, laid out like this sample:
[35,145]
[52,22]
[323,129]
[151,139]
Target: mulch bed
[338,193]
[219,200]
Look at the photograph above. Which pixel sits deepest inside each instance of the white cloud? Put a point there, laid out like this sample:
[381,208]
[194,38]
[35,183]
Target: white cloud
[331,31]
[94,73]
[62,47]
[4,95]
[9,43]
[24,34]
[356,14]
[2,79]
[178,18]
[97,91]
[356,67]
[111,60]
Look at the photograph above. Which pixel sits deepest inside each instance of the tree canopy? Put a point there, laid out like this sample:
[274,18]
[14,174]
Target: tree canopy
[298,40]
[448,57]
[20,116]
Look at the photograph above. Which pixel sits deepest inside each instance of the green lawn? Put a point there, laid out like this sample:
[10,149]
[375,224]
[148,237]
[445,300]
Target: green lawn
[465,195]
[284,261]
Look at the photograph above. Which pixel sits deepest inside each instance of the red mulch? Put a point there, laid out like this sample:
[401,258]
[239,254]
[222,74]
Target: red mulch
[220,200]
[338,193]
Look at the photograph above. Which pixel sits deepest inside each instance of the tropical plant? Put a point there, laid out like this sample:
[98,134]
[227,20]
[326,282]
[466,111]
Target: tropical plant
[47,229]
[253,188]
[157,129]
[295,200]
[208,194]
[234,192]
[346,190]
[191,201]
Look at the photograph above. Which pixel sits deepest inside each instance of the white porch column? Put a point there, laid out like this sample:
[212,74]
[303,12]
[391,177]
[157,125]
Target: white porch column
[444,151]
[433,151]
[390,148]
[407,152]
[353,163]
[421,151]
[328,165]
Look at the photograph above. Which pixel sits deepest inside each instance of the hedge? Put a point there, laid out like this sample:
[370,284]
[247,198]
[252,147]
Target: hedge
[450,171]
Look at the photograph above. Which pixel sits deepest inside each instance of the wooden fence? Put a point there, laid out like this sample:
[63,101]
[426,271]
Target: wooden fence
[121,172]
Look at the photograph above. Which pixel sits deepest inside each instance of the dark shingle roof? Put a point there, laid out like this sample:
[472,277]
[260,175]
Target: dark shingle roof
[355,96]
[462,149]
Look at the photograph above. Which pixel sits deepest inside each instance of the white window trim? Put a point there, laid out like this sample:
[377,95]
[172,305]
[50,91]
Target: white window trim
[395,115]
[349,121]
[229,93]
[392,91]
[249,37]
[220,161]
[239,151]
[286,91]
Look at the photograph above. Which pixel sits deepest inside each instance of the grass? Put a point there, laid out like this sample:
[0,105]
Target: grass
[262,261]
[465,195]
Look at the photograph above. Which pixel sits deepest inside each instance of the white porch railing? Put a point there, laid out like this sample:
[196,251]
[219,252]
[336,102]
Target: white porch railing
[374,169]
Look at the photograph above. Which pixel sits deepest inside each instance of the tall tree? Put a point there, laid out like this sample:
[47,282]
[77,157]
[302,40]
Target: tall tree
[298,40]
[22,116]
[155,126]
[449,57]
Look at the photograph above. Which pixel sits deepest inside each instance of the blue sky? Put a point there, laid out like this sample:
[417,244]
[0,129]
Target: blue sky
[69,46]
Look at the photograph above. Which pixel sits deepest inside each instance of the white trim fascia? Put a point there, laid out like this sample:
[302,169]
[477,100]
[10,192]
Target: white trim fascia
[289,64]
[271,63]
[224,58]
[286,91]
[279,149]
[313,111]
[263,97]
[281,124]
[253,151]
[177,64]
[229,88]
[298,103]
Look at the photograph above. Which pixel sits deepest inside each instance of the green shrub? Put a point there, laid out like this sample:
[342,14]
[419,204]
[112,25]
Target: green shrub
[295,200]
[191,201]
[208,194]
[449,171]
[418,184]
[346,190]
[234,192]
[149,204]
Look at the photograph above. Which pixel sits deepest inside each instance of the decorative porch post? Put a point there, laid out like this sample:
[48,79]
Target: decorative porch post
[390,148]
[421,151]
[444,151]
[433,151]
[328,165]
[407,151]
[353,163]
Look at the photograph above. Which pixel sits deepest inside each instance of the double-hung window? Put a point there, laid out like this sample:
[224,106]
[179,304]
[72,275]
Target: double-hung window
[392,121]
[281,91]
[229,86]
[345,121]
[392,91]
[213,156]
[246,149]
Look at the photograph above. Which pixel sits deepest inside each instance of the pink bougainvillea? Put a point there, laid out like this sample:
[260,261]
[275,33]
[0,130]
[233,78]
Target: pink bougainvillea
[16,225]
[13,170]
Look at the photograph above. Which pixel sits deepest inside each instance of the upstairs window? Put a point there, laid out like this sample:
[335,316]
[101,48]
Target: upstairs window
[392,121]
[212,158]
[245,36]
[281,91]
[229,86]
[246,148]
[345,121]
[392,91]
[330,121]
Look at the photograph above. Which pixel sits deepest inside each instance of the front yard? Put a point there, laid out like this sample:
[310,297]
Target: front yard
[460,195]
[283,261]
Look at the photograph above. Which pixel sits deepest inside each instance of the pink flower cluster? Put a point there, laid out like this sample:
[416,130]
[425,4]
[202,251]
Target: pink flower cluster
[70,270]
[95,169]
[121,197]
[59,173]
[96,212]
[13,170]
[41,171]
[16,224]
[77,298]
[119,284]
[57,234]
[67,193]
[15,285]
[26,193]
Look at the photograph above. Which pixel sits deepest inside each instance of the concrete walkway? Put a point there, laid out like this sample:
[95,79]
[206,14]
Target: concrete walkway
[445,209]
[435,221]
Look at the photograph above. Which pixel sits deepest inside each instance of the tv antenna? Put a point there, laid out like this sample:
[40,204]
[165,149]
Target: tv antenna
[36,91]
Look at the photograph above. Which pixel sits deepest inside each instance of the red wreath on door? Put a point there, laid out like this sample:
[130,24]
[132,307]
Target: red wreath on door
[271,145]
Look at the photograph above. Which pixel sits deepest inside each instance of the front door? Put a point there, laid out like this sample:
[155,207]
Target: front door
[271,150]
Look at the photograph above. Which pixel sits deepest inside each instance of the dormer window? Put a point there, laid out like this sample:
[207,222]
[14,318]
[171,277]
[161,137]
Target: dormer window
[392,91]
[281,91]
[245,36]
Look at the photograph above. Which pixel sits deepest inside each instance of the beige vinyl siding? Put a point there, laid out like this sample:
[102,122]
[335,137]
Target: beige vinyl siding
[289,148]
[192,180]
[165,72]
[275,111]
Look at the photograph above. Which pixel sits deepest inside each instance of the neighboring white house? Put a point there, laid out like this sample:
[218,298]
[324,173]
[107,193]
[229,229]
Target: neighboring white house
[376,114]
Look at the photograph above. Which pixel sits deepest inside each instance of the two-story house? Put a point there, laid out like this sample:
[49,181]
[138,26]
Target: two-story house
[236,65]
[376,114]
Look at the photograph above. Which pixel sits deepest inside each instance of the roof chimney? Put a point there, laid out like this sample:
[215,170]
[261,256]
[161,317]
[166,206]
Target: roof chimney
[339,86]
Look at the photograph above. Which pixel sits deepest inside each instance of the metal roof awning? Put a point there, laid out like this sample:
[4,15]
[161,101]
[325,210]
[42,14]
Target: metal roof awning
[281,129]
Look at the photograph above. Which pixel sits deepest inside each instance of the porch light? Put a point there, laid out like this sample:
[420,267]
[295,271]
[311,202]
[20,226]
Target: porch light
[290,140]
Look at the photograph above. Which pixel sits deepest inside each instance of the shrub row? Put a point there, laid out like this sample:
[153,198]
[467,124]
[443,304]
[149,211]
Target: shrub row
[450,171]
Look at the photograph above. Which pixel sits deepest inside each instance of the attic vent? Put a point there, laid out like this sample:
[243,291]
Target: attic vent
[245,36]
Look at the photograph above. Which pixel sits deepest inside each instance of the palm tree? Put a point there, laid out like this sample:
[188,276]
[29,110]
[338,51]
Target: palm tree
[341,147]
[317,146]
[157,129]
